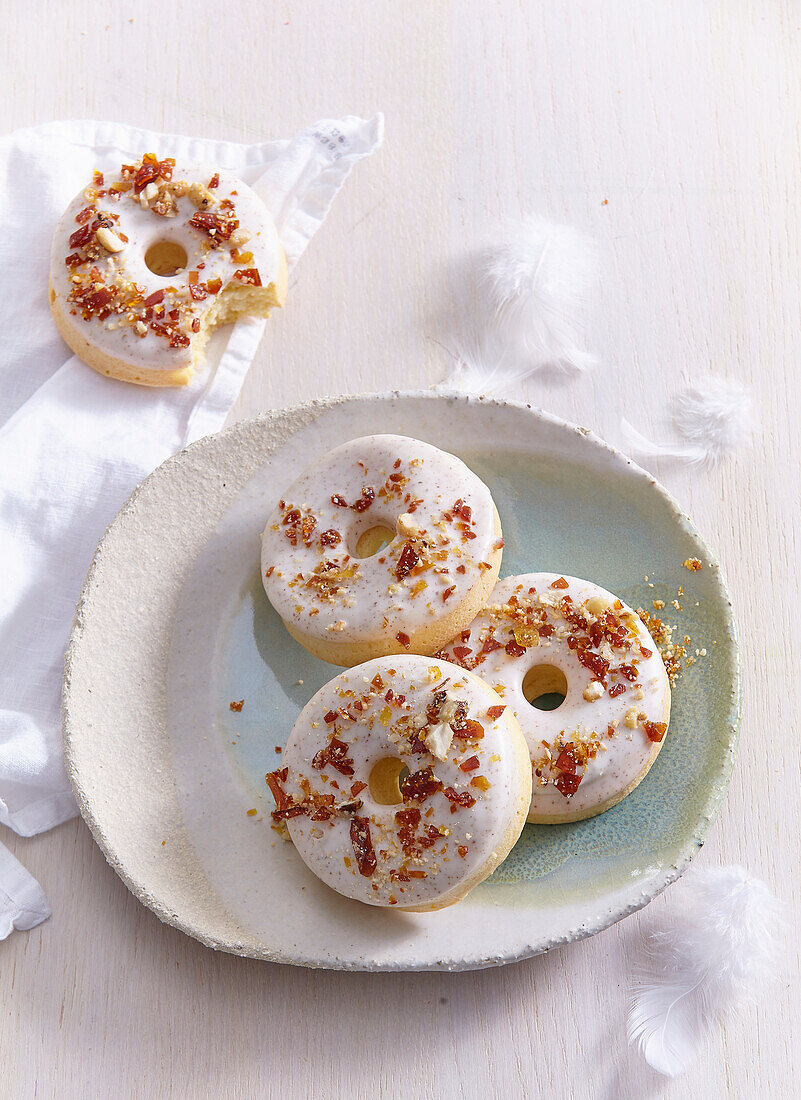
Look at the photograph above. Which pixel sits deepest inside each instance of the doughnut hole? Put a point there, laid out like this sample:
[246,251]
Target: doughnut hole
[166,258]
[385,779]
[372,540]
[545,687]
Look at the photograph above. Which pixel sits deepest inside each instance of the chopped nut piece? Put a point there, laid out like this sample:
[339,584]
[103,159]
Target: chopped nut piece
[593,690]
[351,806]
[596,605]
[239,236]
[438,740]
[110,241]
[407,526]
[631,718]
[200,196]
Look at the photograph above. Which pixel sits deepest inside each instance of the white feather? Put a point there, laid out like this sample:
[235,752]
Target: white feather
[714,419]
[537,276]
[532,284]
[483,367]
[721,946]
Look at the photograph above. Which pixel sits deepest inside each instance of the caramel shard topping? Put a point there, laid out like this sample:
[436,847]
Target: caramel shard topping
[655,731]
[406,562]
[693,564]
[363,846]
[237,706]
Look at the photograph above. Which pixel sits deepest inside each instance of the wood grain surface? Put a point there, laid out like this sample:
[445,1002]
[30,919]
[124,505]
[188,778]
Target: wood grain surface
[685,117]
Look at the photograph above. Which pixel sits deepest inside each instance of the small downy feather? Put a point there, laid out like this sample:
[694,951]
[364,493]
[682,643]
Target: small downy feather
[721,947]
[532,284]
[714,419]
[483,366]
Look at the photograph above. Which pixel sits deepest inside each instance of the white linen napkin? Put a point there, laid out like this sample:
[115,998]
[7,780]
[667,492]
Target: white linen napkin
[74,444]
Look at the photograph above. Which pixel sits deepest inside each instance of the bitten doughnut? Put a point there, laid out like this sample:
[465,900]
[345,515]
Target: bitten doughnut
[405,782]
[386,545]
[546,635]
[145,264]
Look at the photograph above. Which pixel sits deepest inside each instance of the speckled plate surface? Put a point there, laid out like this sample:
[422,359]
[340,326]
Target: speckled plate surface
[173,625]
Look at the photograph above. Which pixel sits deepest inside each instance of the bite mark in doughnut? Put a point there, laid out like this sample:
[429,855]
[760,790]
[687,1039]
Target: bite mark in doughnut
[145,264]
[547,635]
[387,545]
[404,783]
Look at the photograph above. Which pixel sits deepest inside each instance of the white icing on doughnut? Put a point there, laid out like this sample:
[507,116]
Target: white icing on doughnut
[460,811]
[604,649]
[138,324]
[444,521]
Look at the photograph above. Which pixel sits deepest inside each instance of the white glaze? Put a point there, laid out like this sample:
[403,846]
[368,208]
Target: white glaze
[117,335]
[385,729]
[368,601]
[620,756]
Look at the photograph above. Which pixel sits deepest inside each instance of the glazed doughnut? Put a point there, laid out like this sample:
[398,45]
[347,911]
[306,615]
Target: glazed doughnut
[543,634]
[417,842]
[346,595]
[145,264]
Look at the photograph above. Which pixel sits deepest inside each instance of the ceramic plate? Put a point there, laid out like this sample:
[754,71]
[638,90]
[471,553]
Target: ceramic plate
[173,625]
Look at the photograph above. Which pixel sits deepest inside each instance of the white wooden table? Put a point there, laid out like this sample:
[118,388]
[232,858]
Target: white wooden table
[685,117]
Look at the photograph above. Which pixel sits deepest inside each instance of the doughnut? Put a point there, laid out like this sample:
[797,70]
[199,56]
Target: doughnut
[543,637]
[385,545]
[404,782]
[145,264]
